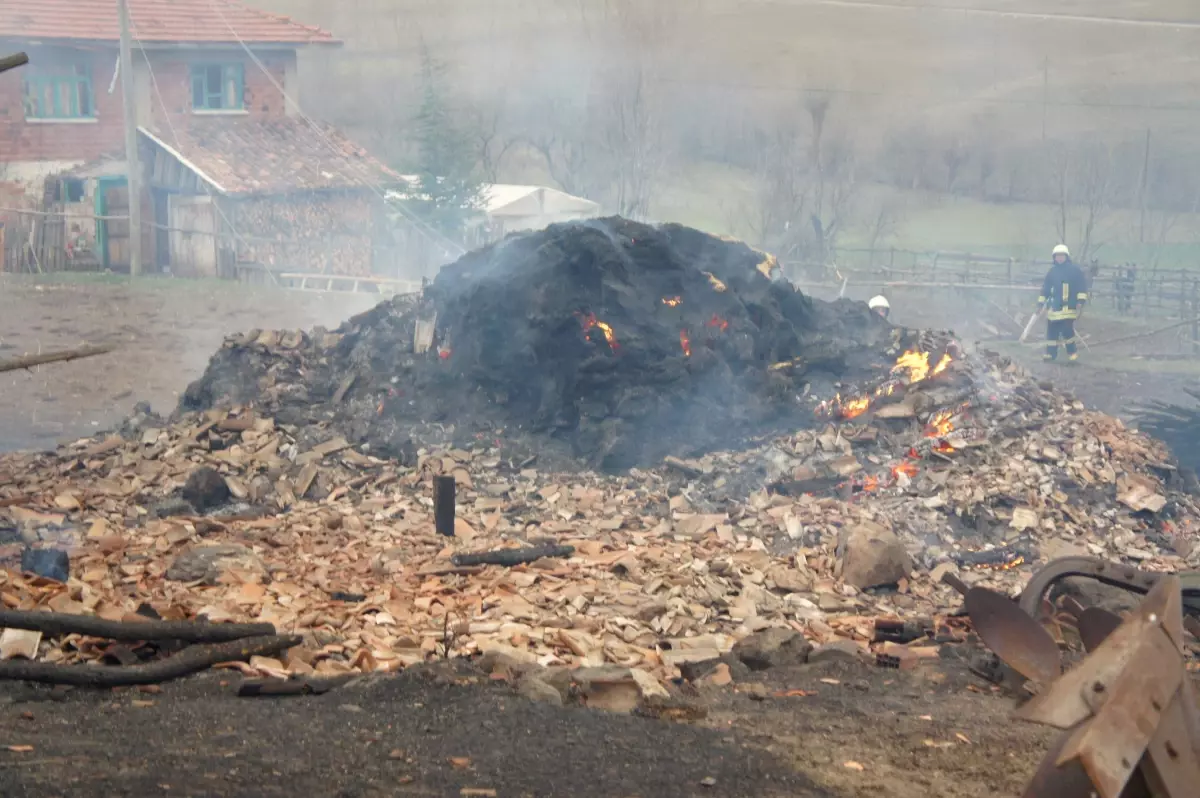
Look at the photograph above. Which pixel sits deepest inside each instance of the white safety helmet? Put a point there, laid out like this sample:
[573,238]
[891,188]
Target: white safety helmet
[878,302]
[1061,249]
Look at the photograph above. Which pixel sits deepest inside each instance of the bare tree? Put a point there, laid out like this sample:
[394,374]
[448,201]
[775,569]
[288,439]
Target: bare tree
[631,119]
[1084,185]
[954,156]
[1163,221]
[633,137]
[561,133]
[884,219]
[837,189]
[1060,165]
[494,142]
[1096,184]
[781,202]
[568,156]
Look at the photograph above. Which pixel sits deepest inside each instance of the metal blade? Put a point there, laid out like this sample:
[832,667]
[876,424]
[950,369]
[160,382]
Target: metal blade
[1095,624]
[1051,781]
[1020,641]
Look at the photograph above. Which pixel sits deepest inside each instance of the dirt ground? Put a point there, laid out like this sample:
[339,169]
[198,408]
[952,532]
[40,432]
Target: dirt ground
[445,730]
[165,332]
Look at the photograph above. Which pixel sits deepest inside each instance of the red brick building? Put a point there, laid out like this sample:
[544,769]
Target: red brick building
[218,138]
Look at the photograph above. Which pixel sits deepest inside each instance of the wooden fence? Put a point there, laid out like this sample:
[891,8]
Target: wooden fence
[1126,289]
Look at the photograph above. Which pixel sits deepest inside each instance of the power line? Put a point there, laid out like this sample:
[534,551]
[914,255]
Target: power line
[947,99]
[994,12]
[449,247]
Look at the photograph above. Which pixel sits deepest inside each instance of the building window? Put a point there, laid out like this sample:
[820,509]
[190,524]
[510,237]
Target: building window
[60,94]
[217,87]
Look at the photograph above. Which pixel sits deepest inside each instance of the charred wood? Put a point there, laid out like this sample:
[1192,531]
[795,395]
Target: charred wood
[57,623]
[511,557]
[186,662]
[29,361]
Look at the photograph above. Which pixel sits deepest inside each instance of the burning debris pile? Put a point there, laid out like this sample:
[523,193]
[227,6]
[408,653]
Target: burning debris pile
[619,342]
[897,459]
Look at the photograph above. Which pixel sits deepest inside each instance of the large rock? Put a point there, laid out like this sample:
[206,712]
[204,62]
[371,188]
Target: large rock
[536,689]
[772,648]
[49,563]
[616,689]
[207,563]
[872,556]
[205,489]
[836,651]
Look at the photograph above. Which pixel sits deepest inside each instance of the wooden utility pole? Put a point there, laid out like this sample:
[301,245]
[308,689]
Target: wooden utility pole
[1143,189]
[1045,92]
[133,165]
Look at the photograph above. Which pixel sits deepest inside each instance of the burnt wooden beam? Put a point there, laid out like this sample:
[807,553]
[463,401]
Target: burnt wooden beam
[62,623]
[29,361]
[188,661]
[13,61]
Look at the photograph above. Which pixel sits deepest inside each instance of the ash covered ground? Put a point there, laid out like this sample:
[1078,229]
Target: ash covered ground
[608,342]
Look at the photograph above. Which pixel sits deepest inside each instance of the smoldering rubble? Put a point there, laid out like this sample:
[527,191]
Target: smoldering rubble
[612,342]
[855,486]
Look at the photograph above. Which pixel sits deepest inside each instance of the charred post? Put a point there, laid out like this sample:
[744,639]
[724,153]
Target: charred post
[443,505]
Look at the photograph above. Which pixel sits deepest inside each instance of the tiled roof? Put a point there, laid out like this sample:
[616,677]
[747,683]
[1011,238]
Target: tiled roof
[275,156]
[203,21]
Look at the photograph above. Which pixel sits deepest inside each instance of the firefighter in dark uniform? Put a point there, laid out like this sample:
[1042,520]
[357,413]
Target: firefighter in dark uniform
[1064,293]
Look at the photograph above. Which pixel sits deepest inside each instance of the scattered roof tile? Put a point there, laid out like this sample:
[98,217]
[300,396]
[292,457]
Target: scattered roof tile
[155,21]
[273,156]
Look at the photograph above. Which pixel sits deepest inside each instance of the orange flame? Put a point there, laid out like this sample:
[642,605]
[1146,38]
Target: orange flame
[944,448]
[846,409]
[672,301]
[685,343]
[940,424]
[1016,562]
[855,407]
[905,468]
[589,321]
[870,483]
[444,354]
[717,285]
[717,322]
[917,365]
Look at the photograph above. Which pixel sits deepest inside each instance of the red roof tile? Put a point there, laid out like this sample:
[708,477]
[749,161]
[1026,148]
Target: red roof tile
[275,156]
[153,21]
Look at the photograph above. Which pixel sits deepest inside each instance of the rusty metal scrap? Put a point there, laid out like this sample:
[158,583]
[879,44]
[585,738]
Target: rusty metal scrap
[1126,577]
[1128,710]
[1020,641]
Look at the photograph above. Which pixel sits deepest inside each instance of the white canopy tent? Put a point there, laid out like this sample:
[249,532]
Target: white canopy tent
[511,207]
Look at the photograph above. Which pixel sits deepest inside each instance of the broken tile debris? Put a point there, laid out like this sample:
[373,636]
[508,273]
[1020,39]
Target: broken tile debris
[685,563]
